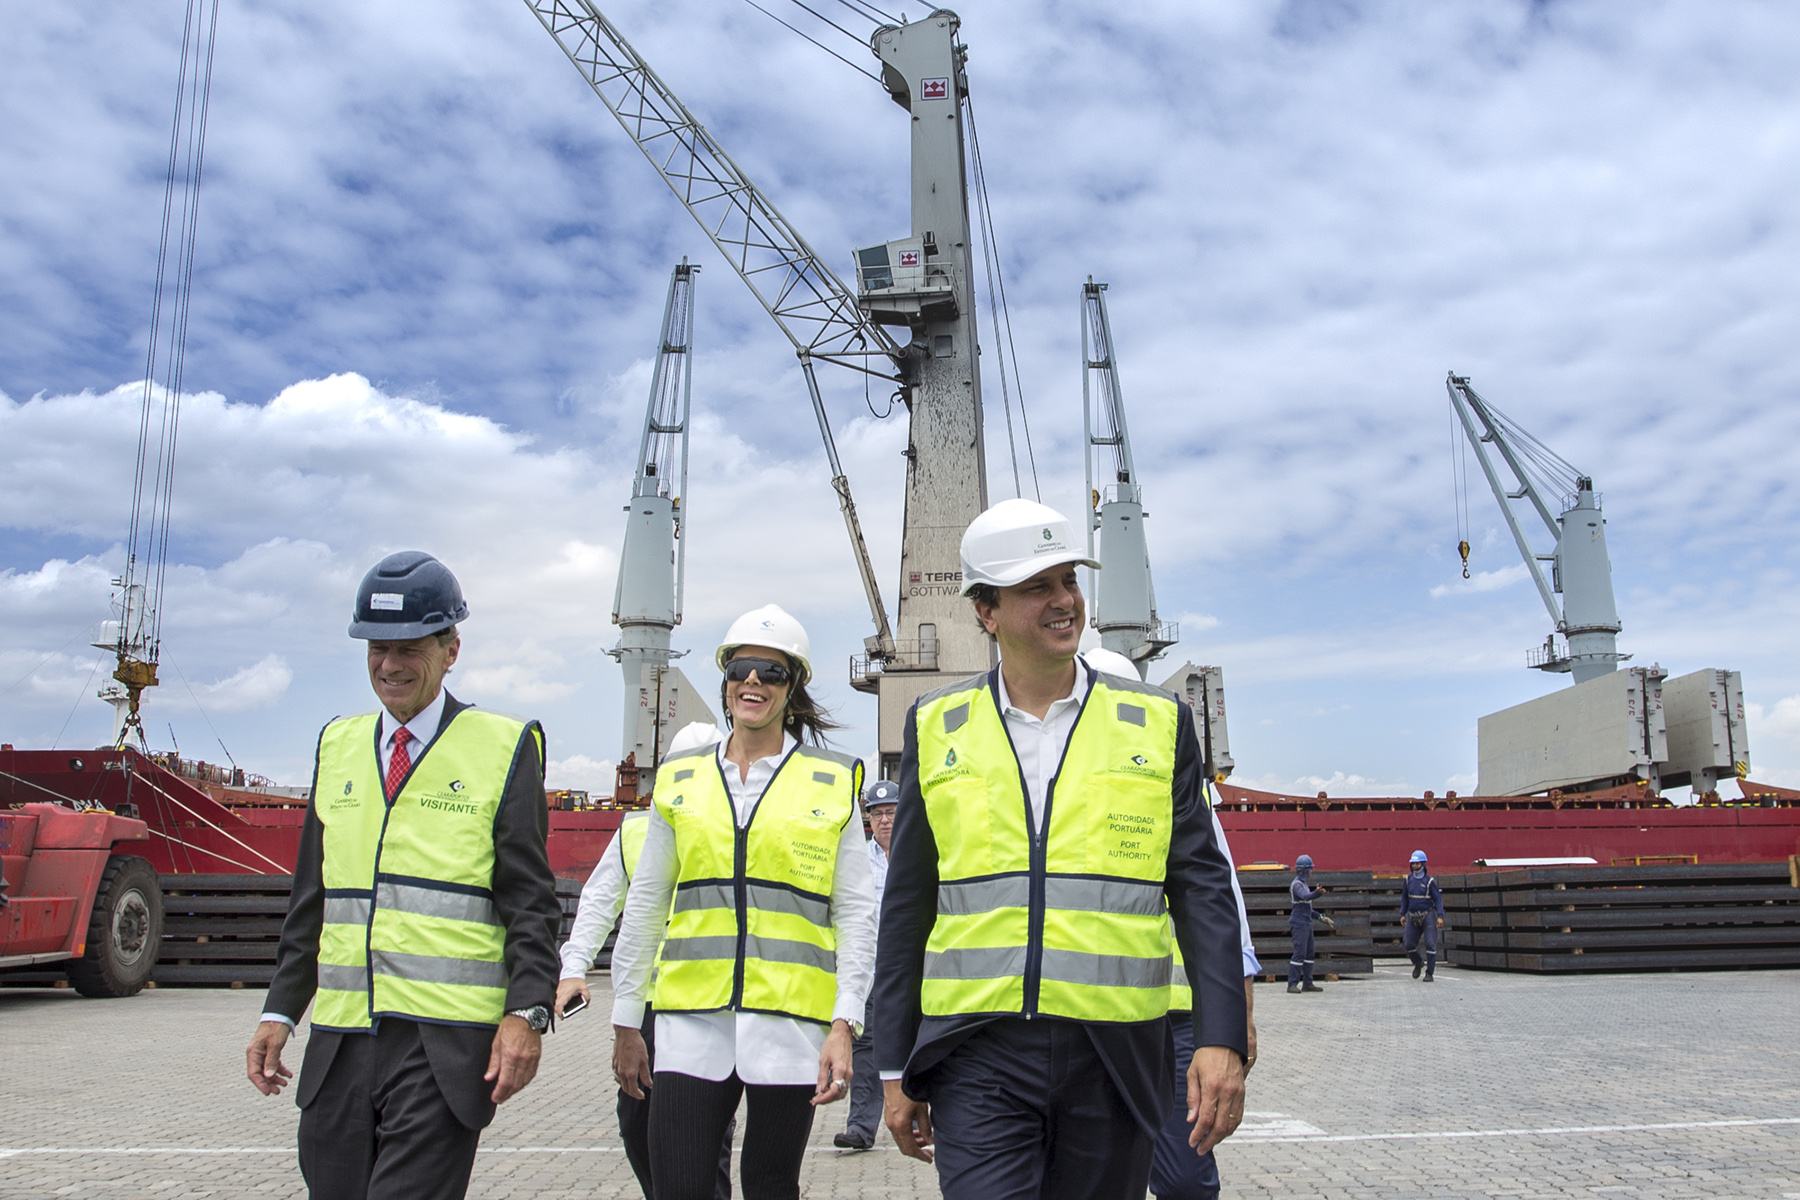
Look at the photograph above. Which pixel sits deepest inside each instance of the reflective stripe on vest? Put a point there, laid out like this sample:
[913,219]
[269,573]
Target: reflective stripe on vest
[409,924]
[750,928]
[632,831]
[1072,924]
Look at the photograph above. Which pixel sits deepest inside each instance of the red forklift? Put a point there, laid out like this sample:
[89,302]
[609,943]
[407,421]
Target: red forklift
[71,892]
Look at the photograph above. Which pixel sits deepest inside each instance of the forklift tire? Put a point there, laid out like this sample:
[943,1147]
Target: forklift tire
[124,936]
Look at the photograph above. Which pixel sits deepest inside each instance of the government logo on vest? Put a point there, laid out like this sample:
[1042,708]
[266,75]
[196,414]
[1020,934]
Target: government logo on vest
[950,758]
[456,785]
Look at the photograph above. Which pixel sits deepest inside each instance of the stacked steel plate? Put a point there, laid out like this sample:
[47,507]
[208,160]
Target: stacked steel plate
[224,929]
[1346,949]
[1626,918]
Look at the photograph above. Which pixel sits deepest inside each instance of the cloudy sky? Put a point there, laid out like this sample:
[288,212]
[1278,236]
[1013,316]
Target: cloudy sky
[430,268]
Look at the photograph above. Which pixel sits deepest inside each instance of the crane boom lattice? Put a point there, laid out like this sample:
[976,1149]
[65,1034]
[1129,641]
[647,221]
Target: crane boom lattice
[813,307]
[810,304]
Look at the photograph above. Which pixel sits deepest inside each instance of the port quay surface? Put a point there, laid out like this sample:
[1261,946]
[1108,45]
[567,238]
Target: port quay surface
[1665,1085]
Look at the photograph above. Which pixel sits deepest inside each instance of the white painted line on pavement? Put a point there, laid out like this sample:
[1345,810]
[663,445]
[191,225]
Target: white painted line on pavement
[1551,1132]
[1274,1126]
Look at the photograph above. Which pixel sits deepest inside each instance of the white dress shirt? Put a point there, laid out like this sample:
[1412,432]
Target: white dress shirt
[1040,743]
[602,898]
[761,1048]
[877,871]
[423,727]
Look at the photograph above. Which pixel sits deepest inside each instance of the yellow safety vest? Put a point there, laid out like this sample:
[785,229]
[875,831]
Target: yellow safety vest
[1073,924]
[751,925]
[410,928]
[632,831]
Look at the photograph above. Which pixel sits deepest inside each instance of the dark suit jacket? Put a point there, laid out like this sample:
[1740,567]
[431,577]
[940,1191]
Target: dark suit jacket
[524,896]
[1138,1056]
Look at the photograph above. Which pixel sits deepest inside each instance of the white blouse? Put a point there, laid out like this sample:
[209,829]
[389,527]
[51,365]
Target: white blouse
[761,1048]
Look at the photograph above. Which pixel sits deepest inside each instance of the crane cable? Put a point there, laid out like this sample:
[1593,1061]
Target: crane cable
[1459,476]
[1001,312]
[815,41]
[149,530]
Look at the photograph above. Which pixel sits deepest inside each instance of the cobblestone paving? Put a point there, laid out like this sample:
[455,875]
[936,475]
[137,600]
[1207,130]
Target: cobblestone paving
[1479,1085]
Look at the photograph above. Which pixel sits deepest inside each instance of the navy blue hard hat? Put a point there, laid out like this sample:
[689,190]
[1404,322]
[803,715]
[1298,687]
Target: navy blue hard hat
[405,596]
[1303,863]
[882,791]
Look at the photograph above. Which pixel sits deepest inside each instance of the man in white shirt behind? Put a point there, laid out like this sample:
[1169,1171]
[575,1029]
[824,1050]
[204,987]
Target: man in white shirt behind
[879,799]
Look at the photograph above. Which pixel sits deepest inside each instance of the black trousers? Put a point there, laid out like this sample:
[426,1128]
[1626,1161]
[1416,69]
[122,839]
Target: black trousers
[634,1128]
[379,1127]
[1025,1110]
[690,1116]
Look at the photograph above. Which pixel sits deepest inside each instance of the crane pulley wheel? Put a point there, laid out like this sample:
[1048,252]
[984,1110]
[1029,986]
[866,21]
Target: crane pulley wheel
[1462,548]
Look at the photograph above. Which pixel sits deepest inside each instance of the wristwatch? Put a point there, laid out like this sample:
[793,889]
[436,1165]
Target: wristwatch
[537,1016]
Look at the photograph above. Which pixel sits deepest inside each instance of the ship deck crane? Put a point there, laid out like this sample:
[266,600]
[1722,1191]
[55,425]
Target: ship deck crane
[134,633]
[1124,596]
[1580,570]
[921,283]
[647,600]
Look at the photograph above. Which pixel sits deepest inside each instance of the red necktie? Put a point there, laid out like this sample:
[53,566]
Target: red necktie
[400,762]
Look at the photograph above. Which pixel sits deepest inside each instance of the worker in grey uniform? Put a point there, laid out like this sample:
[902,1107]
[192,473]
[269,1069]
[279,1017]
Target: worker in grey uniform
[1300,924]
[1421,915]
[879,799]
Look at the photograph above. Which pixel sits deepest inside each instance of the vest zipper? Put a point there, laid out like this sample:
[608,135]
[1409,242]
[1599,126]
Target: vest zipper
[740,869]
[740,891]
[1039,856]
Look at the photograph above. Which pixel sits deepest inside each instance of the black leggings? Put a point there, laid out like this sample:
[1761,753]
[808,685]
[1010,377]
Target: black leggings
[689,1119]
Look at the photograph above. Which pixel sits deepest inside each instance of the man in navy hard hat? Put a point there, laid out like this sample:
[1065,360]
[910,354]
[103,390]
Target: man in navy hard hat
[879,799]
[1421,915]
[1300,926]
[421,925]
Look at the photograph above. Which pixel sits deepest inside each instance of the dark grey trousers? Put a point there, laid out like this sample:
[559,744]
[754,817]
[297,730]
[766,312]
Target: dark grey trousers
[866,1099]
[1025,1110]
[379,1128]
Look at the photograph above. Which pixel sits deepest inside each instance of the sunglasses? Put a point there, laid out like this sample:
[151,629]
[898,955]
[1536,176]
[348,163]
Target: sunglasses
[767,670]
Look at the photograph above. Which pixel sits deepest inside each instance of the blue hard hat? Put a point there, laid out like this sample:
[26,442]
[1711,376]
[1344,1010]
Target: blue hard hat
[1303,863]
[405,596]
[882,791]
[1418,856]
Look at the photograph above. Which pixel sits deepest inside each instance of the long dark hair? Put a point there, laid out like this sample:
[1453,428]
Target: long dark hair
[803,717]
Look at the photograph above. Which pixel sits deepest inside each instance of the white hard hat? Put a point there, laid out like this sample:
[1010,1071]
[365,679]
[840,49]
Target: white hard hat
[1110,662]
[1014,540]
[769,626]
[693,736]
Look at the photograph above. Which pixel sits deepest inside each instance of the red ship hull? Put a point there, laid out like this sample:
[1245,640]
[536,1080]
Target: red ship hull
[1624,826]
[191,832]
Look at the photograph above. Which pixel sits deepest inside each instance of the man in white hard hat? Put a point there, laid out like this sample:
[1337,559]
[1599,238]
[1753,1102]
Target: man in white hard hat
[602,900]
[1052,826]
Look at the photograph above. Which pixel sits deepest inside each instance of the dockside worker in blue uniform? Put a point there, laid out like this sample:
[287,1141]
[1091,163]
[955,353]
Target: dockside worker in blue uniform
[1421,916]
[1300,924]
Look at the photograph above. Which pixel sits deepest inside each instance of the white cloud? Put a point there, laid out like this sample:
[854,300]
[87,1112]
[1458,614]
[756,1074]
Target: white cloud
[1774,728]
[1483,581]
[256,686]
[597,777]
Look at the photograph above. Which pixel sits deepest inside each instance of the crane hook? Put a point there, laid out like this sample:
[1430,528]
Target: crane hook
[1462,548]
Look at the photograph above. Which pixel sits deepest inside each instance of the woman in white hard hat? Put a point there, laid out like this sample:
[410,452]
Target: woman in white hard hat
[754,856]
